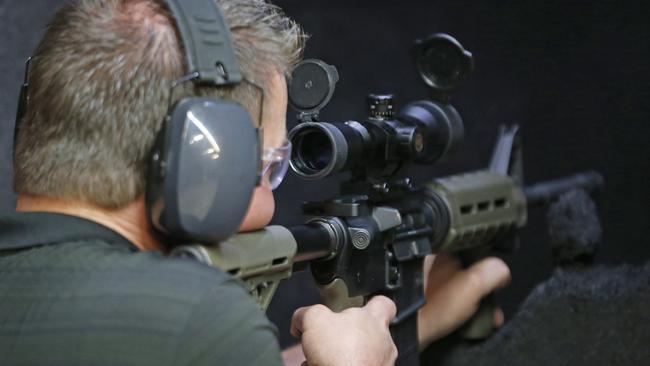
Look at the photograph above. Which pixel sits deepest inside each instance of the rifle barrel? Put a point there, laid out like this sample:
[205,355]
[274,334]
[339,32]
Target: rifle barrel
[314,242]
[545,192]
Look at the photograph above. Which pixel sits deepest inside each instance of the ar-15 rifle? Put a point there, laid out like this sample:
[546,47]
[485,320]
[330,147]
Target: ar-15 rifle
[373,238]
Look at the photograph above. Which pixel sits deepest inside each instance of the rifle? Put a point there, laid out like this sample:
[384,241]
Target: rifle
[373,238]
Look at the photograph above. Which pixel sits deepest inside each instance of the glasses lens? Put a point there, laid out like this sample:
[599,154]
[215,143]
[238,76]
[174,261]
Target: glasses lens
[276,165]
[277,172]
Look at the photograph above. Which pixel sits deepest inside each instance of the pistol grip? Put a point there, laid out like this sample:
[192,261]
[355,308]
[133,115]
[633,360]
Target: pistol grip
[481,324]
[335,296]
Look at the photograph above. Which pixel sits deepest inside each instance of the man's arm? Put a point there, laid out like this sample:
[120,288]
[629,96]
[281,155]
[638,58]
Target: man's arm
[226,327]
[293,356]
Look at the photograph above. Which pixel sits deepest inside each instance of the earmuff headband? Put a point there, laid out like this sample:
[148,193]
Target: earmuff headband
[207,41]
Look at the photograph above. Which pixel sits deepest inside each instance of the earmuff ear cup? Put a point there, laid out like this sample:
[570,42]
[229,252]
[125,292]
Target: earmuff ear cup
[156,174]
[22,109]
[22,104]
[203,170]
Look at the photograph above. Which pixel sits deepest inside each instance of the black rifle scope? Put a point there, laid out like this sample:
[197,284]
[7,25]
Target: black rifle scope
[422,132]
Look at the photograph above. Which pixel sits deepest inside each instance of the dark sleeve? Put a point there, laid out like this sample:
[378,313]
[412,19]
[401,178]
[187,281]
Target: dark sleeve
[227,327]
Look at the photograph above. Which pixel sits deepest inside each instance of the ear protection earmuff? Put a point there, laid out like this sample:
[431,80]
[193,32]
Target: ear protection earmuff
[205,162]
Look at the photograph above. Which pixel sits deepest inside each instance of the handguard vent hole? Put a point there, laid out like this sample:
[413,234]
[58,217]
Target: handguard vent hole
[279,261]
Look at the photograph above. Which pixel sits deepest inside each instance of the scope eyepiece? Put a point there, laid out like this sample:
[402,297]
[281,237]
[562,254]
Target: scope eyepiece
[319,150]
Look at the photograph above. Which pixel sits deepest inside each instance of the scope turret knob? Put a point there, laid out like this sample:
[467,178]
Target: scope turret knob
[381,106]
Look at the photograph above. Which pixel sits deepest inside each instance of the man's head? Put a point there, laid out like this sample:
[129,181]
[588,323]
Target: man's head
[99,88]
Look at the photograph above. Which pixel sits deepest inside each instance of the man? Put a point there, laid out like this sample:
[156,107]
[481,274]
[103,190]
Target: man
[93,288]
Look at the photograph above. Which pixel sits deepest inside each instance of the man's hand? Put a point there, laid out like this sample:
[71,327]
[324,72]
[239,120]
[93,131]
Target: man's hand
[355,336]
[453,293]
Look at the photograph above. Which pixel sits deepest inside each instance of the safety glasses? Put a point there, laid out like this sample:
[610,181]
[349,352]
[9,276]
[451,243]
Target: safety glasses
[276,164]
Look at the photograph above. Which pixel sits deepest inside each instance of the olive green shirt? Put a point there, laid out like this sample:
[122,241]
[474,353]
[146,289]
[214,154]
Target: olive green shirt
[73,292]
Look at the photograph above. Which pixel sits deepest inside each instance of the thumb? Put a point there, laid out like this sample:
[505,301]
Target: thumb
[382,308]
[297,322]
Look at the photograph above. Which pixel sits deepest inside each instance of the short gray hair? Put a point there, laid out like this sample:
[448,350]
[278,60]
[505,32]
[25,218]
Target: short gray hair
[99,88]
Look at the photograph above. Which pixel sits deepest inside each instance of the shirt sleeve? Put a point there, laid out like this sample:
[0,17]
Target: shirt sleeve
[227,327]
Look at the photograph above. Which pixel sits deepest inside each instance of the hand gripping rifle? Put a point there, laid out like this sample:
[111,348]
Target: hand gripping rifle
[373,238]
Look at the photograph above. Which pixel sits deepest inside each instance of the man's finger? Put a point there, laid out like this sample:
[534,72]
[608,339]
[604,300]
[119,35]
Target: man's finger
[382,308]
[297,322]
[498,318]
[446,260]
[489,274]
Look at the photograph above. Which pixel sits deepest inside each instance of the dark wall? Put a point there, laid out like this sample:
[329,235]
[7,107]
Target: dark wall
[21,26]
[572,73]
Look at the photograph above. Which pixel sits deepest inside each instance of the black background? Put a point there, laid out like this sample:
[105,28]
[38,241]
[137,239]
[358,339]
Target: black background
[574,74]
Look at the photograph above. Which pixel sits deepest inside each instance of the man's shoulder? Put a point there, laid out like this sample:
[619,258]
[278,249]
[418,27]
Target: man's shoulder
[101,262]
[168,281]
[220,319]
[175,307]
[153,269]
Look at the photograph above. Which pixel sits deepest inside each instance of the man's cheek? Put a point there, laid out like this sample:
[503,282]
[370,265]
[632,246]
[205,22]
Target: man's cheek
[260,211]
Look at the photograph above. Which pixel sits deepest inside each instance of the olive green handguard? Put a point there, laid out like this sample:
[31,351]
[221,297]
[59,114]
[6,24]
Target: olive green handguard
[484,207]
